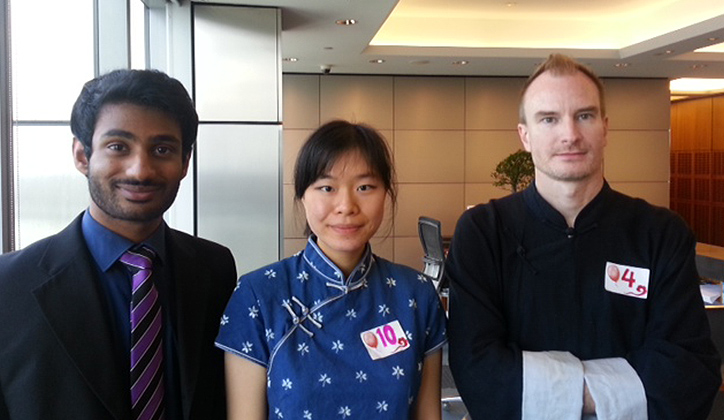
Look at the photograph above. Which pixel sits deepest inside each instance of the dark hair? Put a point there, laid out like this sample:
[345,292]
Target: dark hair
[559,65]
[334,139]
[148,88]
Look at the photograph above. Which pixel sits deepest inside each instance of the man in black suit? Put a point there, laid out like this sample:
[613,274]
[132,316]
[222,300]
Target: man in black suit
[65,301]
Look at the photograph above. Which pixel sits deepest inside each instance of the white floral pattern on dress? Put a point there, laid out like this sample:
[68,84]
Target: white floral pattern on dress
[360,376]
[270,274]
[307,415]
[224,320]
[384,310]
[246,347]
[412,303]
[287,384]
[381,406]
[398,372]
[325,380]
[337,346]
[391,282]
[303,348]
[422,278]
[303,276]
[269,334]
[253,312]
[278,413]
[345,412]
[351,313]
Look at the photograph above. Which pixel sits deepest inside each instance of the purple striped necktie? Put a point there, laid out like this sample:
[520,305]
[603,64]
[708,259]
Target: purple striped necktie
[147,385]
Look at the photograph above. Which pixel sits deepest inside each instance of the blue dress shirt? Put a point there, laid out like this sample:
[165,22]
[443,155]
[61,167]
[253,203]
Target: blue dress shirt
[106,247]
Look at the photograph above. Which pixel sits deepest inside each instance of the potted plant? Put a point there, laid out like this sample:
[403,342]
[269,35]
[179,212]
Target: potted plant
[515,172]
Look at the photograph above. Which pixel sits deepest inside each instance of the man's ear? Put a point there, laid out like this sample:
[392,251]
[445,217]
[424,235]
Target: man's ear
[79,157]
[523,134]
[187,160]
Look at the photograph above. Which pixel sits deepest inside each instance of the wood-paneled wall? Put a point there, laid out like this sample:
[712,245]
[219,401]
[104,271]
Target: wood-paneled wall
[697,166]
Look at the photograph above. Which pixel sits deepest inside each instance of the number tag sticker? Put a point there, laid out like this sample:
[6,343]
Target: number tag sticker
[627,280]
[385,340]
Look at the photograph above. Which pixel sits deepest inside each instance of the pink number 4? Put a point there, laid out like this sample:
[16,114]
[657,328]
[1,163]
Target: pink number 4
[628,277]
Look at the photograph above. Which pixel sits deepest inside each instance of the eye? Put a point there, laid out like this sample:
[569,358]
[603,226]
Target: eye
[117,147]
[325,188]
[548,120]
[586,116]
[163,150]
[366,187]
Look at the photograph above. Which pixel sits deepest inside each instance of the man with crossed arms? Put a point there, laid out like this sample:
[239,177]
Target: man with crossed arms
[570,300]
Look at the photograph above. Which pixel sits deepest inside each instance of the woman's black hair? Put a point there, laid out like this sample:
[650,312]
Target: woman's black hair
[334,139]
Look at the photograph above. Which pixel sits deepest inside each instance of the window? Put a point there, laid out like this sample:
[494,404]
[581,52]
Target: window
[50,60]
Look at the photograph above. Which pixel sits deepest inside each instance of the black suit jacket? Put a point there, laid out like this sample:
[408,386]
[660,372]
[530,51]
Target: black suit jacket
[57,353]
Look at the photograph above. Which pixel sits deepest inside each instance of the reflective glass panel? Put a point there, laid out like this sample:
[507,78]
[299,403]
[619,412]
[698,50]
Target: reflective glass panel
[52,56]
[138,34]
[50,191]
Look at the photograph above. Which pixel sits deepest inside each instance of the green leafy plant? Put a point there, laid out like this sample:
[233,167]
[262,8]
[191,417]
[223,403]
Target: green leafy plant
[515,172]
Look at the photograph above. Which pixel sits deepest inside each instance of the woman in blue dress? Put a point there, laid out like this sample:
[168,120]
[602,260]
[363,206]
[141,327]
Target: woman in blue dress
[336,332]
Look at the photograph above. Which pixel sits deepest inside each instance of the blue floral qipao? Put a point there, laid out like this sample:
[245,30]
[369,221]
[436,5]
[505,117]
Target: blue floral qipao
[303,321]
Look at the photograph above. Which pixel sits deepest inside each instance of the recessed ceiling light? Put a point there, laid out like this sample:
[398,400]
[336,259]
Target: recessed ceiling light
[622,65]
[377,61]
[291,59]
[697,66]
[665,52]
[460,63]
[346,22]
[420,62]
[713,38]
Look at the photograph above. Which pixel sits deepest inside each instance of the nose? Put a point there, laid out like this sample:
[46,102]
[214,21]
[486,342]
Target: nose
[570,132]
[140,166]
[346,202]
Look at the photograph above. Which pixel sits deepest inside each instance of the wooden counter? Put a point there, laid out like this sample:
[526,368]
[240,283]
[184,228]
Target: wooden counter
[711,251]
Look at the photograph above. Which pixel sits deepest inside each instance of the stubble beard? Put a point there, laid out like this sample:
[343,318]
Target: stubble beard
[575,174]
[108,201]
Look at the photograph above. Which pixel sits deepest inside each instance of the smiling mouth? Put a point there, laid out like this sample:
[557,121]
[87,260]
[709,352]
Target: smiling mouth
[138,192]
[345,229]
[571,154]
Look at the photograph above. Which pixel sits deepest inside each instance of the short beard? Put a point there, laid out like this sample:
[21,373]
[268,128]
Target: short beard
[105,200]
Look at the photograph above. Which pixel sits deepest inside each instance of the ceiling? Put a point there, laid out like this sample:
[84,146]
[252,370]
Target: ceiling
[617,38]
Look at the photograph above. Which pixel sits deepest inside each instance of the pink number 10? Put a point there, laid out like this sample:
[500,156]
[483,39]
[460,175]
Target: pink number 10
[389,336]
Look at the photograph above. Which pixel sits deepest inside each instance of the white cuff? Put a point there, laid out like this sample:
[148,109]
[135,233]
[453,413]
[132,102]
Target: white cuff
[552,386]
[616,389]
